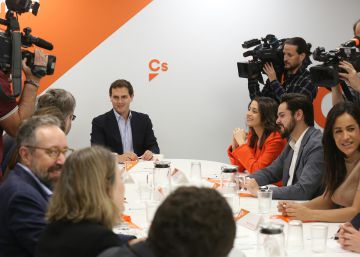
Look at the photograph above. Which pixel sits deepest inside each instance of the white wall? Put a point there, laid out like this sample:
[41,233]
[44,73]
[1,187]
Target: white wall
[196,103]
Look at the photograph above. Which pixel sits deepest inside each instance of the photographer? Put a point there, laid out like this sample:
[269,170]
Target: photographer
[296,78]
[13,113]
[351,77]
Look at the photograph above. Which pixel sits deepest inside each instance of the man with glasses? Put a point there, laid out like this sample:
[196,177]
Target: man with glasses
[55,97]
[24,196]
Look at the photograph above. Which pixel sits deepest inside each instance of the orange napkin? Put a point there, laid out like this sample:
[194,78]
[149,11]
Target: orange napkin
[287,219]
[127,219]
[241,214]
[130,164]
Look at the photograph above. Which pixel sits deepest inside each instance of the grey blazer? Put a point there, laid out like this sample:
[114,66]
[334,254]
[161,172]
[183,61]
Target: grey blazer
[308,174]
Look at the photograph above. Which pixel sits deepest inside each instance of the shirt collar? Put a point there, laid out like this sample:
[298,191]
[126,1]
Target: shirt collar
[45,188]
[296,145]
[119,117]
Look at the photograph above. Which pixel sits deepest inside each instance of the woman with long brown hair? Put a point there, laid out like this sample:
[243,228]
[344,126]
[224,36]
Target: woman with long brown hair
[88,201]
[263,143]
[341,200]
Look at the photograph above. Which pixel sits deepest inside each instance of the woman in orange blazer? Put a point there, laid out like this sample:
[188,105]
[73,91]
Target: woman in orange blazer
[263,143]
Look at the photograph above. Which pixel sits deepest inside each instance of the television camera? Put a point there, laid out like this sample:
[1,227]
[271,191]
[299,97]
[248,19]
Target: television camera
[267,50]
[13,44]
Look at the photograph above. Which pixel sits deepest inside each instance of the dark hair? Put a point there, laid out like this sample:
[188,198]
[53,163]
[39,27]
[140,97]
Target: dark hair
[59,98]
[354,26]
[302,46]
[268,114]
[334,158]
[296,101]
[193,222]
[120,83]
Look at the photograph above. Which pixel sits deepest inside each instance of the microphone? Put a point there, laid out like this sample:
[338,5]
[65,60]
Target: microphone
[42,43]
[353,42]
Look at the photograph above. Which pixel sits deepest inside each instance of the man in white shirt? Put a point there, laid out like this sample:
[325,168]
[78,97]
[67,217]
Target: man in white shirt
[300,166]
[123,131]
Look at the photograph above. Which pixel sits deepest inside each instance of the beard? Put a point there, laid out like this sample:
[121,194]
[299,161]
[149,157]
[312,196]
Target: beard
[50,176]
[293,67]
[286,132]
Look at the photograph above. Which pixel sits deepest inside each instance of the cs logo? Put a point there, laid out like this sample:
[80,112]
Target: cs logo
[155,67]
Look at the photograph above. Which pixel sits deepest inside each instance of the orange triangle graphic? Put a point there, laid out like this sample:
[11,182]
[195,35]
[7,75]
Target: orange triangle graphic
[75,28]
[152,76]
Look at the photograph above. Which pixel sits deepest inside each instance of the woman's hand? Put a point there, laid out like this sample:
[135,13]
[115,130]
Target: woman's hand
[282,207]
[349,238]
[239,136]
[297,211]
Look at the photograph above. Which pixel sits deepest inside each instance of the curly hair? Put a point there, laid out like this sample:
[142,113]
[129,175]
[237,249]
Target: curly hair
[193,222]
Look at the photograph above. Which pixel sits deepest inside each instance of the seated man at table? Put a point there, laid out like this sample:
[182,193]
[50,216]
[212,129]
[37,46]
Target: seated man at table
[25,193]
[301,164]
[127,133]
[190,222]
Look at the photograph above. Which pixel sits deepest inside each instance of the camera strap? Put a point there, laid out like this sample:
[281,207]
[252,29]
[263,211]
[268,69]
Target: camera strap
[346,91]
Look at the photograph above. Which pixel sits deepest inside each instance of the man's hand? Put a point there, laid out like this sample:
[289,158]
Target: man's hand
[147,156]
[350,76]
[127,156]
[349,238]
[270,71]
[252,186]
[40,59]
[239,136]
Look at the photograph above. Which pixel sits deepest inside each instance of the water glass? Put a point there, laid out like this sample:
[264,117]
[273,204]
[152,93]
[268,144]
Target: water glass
[233,200]
[319,234]
[150,210]
[145,192]
[264,201]
[295,238]
[195,174]
[241,178]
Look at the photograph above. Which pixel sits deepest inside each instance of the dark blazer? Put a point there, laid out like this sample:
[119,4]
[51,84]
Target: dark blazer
[140,249]
[308,173]
[23,205]
[105,131]
[81,239]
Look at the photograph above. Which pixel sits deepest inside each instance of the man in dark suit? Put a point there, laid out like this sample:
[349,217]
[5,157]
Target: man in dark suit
[300,166]
[25,193]
[125,132]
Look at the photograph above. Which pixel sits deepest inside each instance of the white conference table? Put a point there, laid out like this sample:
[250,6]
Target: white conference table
[245,238]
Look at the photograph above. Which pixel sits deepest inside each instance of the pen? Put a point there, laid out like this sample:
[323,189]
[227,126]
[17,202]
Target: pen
[336,237]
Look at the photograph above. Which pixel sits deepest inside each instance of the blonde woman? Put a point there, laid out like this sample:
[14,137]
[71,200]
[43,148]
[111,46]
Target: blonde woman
[86,204]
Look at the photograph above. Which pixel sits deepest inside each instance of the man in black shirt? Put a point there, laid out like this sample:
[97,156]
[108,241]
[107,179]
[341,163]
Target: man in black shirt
[296,78]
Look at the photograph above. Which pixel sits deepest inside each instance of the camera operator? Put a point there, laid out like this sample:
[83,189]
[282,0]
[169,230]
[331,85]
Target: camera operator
[13,113]
[351,77]
[296,78]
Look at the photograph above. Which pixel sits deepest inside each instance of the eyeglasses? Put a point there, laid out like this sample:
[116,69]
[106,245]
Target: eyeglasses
[73,117]
[53,152]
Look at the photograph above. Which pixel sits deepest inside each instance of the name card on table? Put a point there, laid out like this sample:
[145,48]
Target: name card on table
[248,219]
[179,177]
[129,165]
